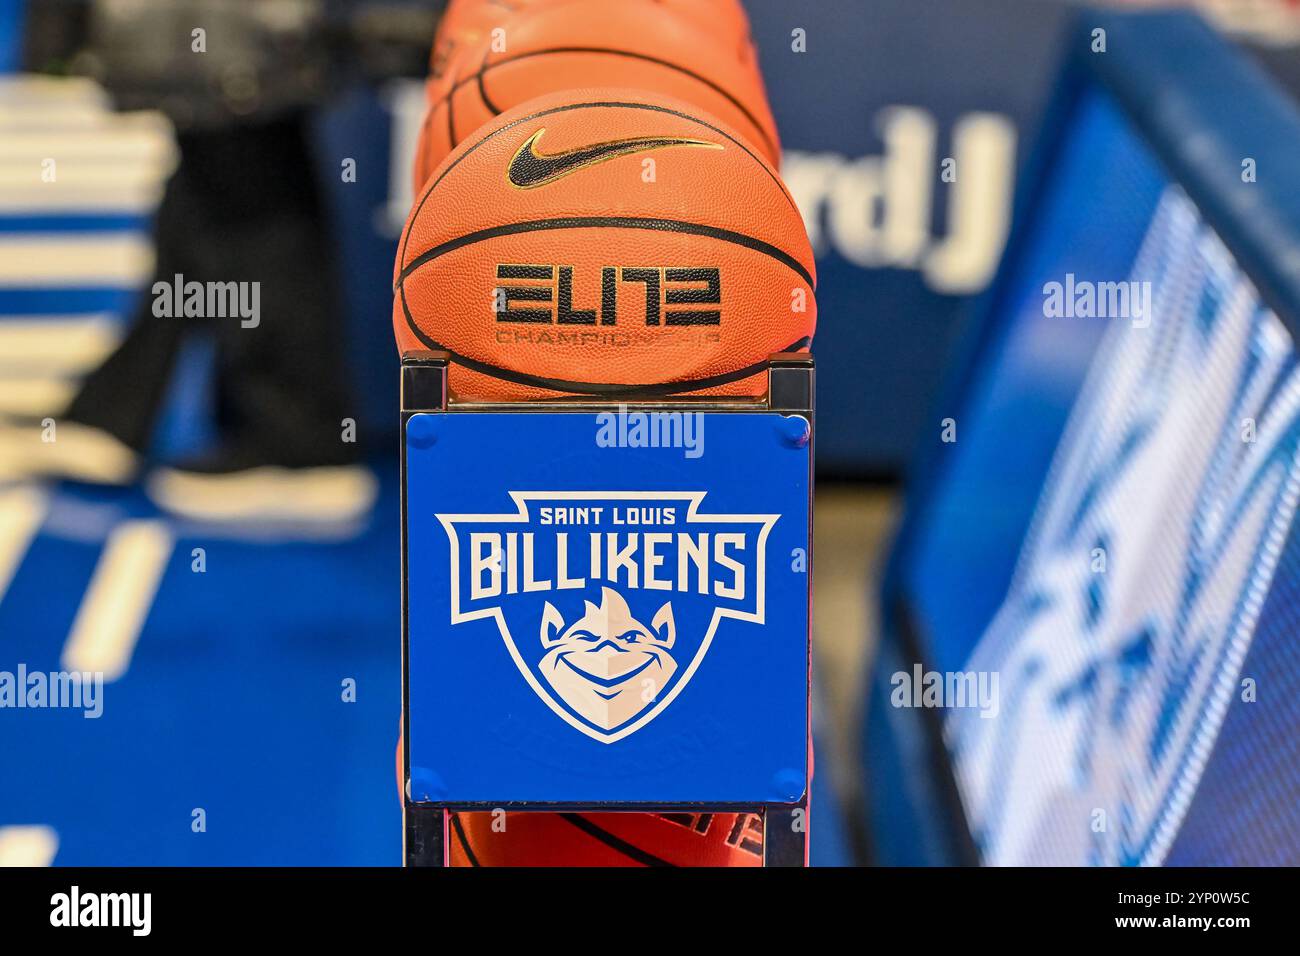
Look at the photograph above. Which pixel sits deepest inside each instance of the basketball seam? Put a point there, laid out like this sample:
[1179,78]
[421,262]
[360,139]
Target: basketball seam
[589,388]
[613,842]
[423,155]
[609,222]
[451,126]
[482,89]
[763,133]
[617,104]
[464,840]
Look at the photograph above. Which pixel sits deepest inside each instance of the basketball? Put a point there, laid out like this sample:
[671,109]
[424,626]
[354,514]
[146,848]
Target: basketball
[605,242]
[725,19]
[606,839]
[698,52]
[467,22]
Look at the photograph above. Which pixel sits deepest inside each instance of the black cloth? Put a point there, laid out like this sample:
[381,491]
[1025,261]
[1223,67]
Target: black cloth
[243,206]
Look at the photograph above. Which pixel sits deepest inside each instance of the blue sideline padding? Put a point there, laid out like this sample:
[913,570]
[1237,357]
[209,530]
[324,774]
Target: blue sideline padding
[256,720]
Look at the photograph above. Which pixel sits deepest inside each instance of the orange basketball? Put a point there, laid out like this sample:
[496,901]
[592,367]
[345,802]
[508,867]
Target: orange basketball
[725,19]
[606,839]
[604,242]
[666,46]
[465,31]
[466,23]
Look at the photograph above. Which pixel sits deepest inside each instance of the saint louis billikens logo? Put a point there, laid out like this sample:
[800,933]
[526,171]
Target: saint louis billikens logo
[607,600]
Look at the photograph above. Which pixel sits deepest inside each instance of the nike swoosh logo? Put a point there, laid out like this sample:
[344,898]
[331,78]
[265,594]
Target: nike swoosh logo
[529,168]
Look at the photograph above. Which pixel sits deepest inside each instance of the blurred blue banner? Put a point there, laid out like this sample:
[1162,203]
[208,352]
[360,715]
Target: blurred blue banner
[903,125]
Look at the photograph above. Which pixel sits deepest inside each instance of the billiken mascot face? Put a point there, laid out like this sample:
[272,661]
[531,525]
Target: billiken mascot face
[607,665]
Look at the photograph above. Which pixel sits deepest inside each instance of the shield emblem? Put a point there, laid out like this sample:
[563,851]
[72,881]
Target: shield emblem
[607,601]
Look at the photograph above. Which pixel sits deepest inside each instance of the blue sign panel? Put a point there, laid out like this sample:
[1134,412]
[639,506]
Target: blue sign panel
[608,607]
[1114,539]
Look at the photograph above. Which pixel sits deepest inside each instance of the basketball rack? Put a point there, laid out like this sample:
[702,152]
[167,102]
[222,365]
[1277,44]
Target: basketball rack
[757,755]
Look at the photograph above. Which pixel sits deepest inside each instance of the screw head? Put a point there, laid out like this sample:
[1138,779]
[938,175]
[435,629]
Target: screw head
[421,431]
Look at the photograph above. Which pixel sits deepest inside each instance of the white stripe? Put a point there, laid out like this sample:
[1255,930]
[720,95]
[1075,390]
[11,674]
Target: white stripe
[117,144]
[84,259]
[52,114]
[22,510]
[134,187]
[20,88]
[28,846]
[66,344]
[129,199]
[117,602]
[58,121]
[60,132]
[48,396]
